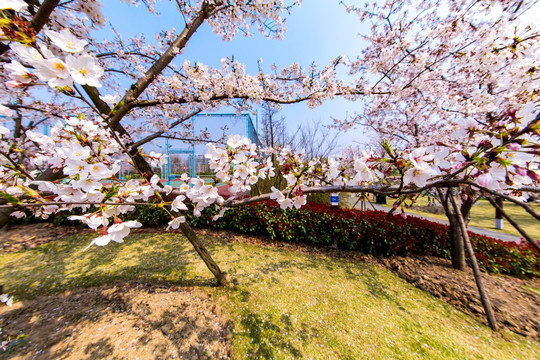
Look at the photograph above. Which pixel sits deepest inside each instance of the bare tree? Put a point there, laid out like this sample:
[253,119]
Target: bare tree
[274,129]
[316,139]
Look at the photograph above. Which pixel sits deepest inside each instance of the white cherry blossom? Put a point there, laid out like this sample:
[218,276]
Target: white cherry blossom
[8,300]
[18,72]
[178,204]
[5,111]
[27,54]
[175,223]
[55,72]
[111,99]
[16,5]
[419,175]
[84,70]
[66,41]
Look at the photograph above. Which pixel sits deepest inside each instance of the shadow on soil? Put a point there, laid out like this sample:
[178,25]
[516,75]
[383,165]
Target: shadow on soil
[73,325]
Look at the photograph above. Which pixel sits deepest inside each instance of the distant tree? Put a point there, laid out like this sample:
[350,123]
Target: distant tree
[274,129]
[316,140]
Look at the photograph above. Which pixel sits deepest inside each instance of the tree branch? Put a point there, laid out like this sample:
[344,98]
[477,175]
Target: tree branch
[159,133]
[39,20]
[42,16]
[137,89]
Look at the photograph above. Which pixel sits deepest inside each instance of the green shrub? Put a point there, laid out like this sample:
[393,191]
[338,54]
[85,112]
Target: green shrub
[369,232]
[319,198]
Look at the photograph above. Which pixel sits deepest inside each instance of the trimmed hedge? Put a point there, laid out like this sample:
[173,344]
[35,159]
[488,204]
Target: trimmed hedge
[369,232]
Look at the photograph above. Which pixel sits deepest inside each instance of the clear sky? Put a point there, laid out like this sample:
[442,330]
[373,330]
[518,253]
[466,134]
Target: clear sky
[318,31]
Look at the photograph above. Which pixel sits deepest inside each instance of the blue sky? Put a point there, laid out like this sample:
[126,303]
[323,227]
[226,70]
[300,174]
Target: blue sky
[318,31]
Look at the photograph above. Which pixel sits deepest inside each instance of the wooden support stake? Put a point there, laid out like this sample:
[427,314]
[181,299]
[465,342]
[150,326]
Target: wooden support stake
[476,270]
[221,277]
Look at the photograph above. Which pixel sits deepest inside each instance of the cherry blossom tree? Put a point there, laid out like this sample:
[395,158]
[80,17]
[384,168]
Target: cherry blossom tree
[444,67]
[51,45]
[490,105]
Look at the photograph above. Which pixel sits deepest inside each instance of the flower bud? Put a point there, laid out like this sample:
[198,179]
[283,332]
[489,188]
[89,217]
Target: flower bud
[14,84]
[513,146]
[533,175]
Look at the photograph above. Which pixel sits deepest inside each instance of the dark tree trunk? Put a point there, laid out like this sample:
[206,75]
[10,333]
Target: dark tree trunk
[457,248]
[457,245]
[466,206]
[222,278]
[5,216]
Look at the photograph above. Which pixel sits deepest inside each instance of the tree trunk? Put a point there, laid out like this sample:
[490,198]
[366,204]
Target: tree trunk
[457,245]
[5,216]
[222,277]
[457,248]
[466,206]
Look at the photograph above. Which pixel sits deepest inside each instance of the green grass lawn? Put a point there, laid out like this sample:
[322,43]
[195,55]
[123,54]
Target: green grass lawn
[284,305]
[483,216]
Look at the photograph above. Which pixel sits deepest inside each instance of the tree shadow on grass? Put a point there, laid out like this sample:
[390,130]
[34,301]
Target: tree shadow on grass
[364,272]
[129,319]
[376,286]
[273,269]
[62,265]
[268,336]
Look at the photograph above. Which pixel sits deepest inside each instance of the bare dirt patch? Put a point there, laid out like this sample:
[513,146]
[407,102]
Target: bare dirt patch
[122,321]
[21,237]
[516,305]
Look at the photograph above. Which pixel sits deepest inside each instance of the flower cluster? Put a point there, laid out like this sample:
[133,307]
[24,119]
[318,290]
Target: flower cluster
[504,152]
[87,157]
[501,156]
[239,164]
[466,61]
[55,68]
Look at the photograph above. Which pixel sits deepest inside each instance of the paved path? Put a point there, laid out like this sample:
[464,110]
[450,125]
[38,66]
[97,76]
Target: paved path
[476,230]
